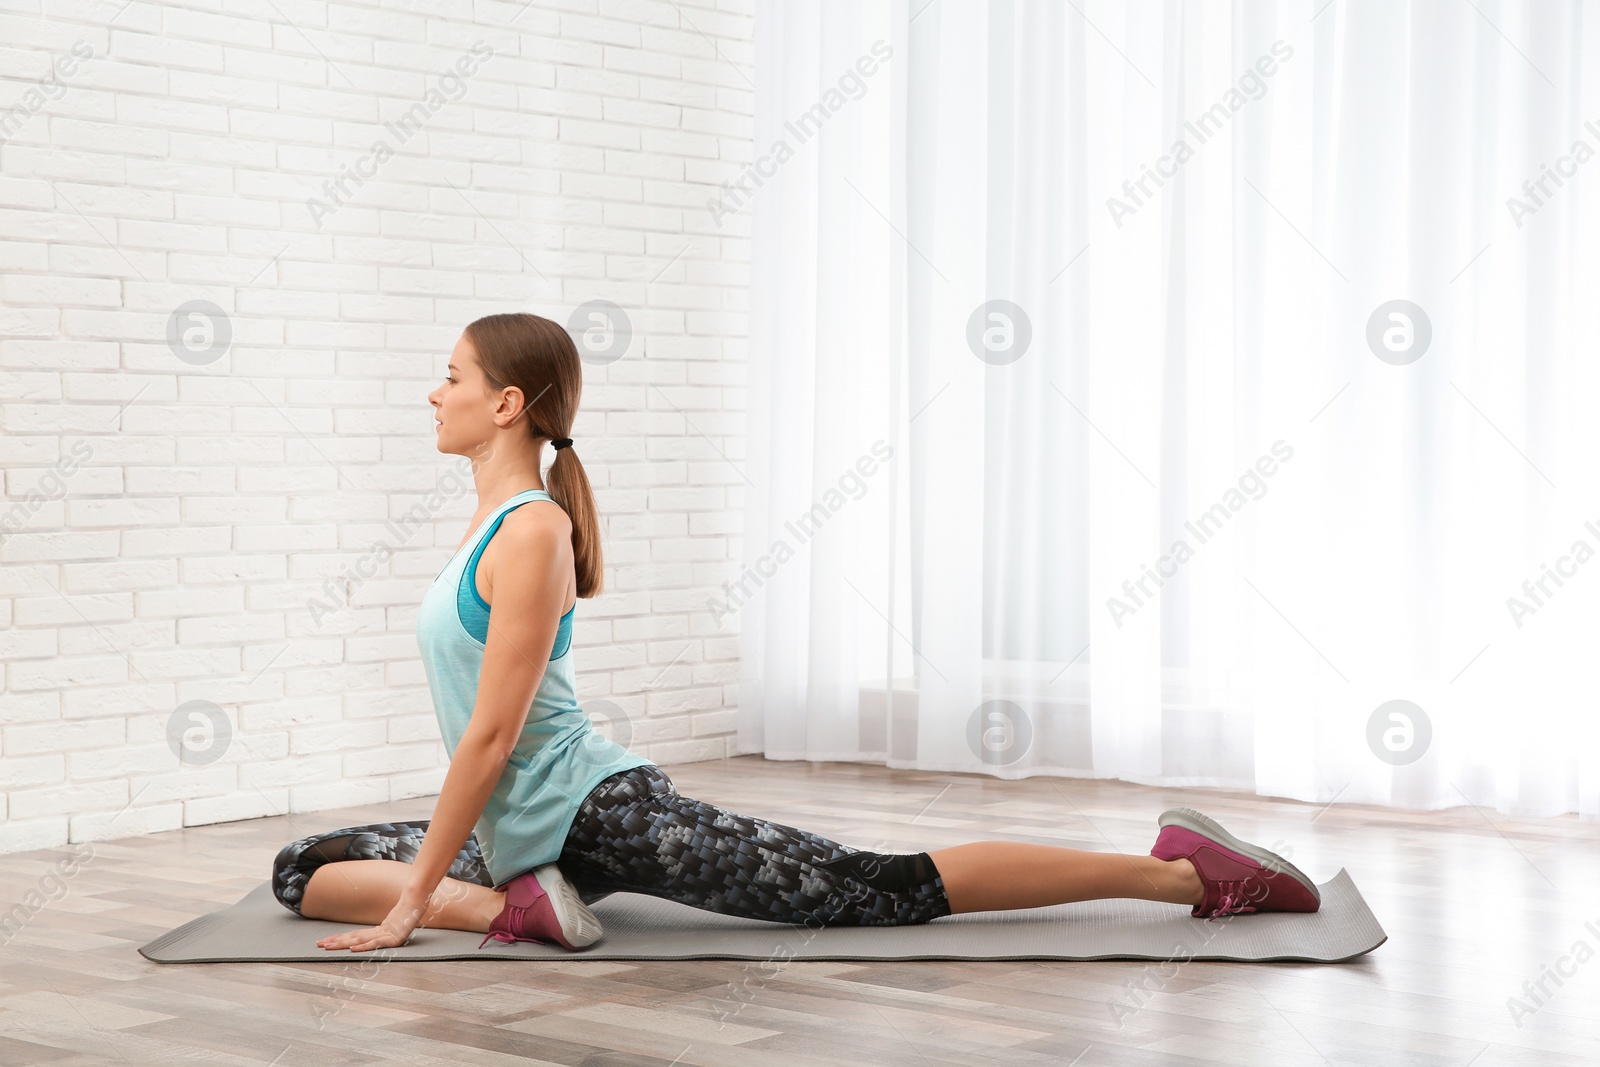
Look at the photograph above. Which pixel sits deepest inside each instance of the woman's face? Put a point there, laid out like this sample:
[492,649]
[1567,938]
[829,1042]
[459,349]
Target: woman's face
[462,409]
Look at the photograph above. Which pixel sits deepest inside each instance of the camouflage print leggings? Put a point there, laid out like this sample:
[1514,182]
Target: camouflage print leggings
[636,834]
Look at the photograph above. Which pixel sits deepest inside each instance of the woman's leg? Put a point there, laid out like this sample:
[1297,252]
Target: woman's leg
[1000,875]
[318,877]
[635,833]
[365,893]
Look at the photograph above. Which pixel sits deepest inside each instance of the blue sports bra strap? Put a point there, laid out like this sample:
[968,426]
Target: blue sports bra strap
[469,576]
[472,610]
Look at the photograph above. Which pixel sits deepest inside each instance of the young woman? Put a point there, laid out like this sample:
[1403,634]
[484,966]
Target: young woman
[540,814]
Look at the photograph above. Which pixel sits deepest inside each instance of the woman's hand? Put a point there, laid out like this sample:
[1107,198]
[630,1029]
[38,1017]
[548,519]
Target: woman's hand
[395,930]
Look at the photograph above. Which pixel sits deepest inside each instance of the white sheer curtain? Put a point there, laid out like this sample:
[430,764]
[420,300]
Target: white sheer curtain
[945,541]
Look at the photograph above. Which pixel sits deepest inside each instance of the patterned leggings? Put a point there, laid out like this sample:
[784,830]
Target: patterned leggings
[635,833]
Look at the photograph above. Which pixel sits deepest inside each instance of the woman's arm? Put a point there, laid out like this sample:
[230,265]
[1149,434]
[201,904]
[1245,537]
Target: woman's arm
[528,588]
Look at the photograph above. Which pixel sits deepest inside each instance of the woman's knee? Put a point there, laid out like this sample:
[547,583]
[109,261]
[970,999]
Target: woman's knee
[883,889]
[297,861]
[288,879]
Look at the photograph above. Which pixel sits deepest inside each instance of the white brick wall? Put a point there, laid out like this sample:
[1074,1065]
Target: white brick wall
[165,524]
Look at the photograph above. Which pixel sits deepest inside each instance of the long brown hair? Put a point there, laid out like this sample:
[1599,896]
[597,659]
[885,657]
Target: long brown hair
[538,356]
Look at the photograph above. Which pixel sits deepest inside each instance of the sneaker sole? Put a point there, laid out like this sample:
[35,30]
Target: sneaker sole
[579,925]
[1203,824]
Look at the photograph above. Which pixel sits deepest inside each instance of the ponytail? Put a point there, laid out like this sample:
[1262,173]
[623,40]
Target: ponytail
[568,484]
[537,356]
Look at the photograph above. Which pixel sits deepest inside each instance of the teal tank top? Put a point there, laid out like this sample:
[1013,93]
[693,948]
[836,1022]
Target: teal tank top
[559,757]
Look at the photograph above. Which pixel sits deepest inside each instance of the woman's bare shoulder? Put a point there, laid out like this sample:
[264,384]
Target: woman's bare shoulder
[524,540]
[534,518]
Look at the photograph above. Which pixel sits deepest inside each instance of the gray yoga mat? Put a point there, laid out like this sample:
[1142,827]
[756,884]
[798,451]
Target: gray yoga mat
[259,929]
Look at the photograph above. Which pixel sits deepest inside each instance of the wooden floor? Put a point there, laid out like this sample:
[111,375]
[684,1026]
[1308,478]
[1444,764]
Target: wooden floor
[1474,904]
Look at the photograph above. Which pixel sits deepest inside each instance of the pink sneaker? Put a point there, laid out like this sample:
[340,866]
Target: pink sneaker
[1239,877]
[541,905]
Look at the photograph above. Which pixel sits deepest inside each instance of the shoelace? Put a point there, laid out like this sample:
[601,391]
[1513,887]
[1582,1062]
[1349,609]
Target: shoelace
[507,938]
[1232,900]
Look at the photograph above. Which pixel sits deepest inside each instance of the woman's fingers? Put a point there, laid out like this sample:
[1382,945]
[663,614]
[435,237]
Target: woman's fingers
[336,945]
[359,940]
